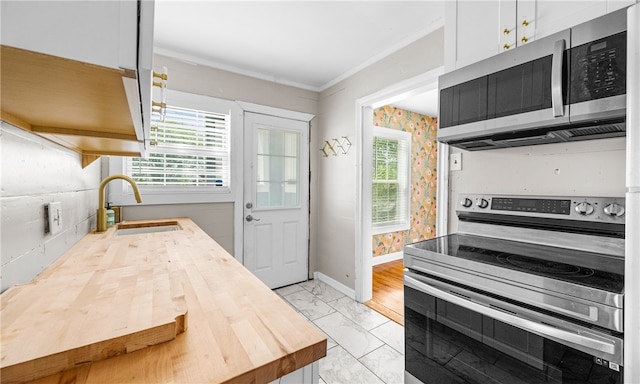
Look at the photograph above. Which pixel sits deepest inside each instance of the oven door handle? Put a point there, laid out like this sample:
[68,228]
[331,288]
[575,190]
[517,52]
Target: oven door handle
[527,325]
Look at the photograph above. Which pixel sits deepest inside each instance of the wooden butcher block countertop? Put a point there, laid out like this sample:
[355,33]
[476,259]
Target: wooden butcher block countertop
[237,330]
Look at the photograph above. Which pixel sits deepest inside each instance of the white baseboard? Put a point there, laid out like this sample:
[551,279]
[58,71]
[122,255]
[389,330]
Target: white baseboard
[335,284]
[387,258]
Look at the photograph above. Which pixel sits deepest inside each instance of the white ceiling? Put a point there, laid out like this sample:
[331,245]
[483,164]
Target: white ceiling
[307,44]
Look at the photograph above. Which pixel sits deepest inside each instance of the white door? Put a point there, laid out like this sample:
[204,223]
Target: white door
[276,199]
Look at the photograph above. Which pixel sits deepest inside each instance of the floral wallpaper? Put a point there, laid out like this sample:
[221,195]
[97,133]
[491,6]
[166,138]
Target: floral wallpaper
[424,156]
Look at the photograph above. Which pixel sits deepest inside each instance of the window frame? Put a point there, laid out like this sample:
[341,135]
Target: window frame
[398,135]
[122,193]
[166,150]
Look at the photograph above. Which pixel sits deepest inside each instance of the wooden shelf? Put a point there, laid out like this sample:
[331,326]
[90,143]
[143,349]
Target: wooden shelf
[81,106]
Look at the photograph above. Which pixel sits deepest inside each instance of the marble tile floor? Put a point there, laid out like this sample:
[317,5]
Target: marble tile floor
[363,346]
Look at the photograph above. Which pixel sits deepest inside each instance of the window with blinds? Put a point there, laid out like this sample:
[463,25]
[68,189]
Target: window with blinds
[189,149]
[390,179]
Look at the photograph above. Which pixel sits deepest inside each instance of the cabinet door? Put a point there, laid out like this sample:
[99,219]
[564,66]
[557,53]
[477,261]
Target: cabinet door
[97,32]
[525,21]
[471,32]
[508,25]
[554,16]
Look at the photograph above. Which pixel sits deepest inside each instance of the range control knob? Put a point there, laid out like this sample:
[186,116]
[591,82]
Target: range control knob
[584,208]
[614,209]
[482,203]
[466,202]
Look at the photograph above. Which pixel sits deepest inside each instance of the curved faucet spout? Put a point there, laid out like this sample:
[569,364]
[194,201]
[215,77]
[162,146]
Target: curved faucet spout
[101,225]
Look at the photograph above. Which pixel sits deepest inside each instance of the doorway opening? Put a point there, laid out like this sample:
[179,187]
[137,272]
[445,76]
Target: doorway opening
[377,250]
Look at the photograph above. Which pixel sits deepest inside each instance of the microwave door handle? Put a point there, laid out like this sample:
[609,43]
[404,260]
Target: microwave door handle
[556,78]
[528,325]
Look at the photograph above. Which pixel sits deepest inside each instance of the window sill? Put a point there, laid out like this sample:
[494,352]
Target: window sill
[150,198]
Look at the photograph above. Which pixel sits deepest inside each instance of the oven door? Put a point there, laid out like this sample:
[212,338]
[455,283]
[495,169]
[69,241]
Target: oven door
[459,335]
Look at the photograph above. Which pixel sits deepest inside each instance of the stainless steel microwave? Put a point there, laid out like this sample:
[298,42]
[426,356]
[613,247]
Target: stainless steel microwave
[565,87]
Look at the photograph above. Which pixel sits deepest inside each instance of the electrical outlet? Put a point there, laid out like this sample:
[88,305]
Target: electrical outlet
[55,217]
[455,162]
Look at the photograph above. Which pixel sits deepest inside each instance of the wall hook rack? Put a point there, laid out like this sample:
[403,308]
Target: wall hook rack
[332,147]
[343,143]
[327,149]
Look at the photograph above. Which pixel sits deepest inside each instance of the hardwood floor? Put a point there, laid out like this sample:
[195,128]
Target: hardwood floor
[388,291]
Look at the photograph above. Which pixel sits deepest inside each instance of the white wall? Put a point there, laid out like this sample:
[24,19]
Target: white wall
[336,176]
[35,172]
[585,168]
[203,80]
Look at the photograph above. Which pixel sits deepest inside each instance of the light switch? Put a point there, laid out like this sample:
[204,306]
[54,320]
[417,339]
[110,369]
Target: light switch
[55,217]
[455,162]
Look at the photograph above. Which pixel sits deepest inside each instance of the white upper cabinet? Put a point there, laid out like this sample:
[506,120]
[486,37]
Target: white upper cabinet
[475,30]
[79,73]
[96,32]
[553,16]
[471,32]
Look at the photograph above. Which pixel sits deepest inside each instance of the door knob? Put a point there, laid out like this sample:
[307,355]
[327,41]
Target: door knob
[250,218]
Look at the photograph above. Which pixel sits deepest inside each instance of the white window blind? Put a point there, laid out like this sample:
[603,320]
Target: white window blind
[189,148]
[390,179]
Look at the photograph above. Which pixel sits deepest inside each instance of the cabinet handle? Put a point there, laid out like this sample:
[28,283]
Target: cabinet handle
[506,46]
[160,80]
[524,39]
[162,76]
[160,108]
[506,31]
[525,23]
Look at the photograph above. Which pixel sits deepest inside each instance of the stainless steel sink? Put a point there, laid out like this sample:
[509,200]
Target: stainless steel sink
[152,227]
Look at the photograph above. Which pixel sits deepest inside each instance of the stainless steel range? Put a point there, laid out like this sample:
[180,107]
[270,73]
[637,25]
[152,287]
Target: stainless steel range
[530,290]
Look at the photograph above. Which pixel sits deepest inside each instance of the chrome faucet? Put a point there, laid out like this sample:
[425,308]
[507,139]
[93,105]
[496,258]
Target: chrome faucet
[101,225]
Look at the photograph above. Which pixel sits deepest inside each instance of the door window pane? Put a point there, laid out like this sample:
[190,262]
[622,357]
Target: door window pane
[277,167]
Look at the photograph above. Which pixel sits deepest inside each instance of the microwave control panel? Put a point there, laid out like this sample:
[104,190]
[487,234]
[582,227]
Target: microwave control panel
[598,69]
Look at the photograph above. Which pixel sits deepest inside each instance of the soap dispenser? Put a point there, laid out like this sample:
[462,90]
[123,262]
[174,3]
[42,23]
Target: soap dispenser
[111,216]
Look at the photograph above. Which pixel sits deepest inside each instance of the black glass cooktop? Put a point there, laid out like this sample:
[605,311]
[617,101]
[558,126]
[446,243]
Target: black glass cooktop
[585,268]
